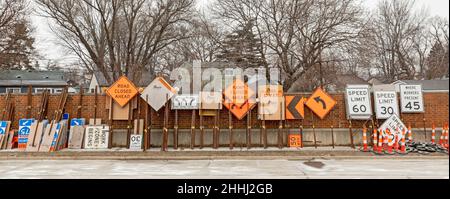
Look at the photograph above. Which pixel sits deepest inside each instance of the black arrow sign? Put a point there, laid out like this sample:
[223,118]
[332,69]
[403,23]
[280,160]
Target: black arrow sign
[292,109]
[319,100]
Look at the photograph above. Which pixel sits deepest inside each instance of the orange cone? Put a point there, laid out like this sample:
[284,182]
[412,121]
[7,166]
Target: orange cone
[375,139]
[409,134]
[396,140]
[433,134]
[380,142]
[446,136]
[441,139]
[403,144]
[389,149]
[365,139]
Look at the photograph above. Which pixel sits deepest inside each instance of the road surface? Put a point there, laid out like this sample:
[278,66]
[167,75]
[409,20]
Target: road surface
[223,169]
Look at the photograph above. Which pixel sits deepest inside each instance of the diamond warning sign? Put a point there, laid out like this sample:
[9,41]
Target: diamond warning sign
[320,103]
[122,91]
[238,93]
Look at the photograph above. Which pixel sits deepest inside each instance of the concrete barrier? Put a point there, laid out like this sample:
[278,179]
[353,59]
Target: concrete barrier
[323,137]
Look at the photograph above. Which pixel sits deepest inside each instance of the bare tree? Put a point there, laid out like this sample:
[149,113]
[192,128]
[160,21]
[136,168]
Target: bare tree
[296,33]
[397,39]
[117,36]
[10,12]
[438,59]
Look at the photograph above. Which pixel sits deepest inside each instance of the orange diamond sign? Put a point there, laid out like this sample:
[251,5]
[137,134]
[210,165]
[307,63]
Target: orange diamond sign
[122,91]
[240,112]
[238,93]
[320,103]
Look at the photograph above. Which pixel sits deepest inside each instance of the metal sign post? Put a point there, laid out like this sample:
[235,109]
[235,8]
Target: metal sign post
[193,129]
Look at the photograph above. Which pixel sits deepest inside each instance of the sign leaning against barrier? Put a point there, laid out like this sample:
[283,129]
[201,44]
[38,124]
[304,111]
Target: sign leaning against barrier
[411,99]
[386,104]
[122,91]
[158,92]
[185,102]
[136,142]
[395,126]
[320,103]
[358,102]
[96,137]
[24,131]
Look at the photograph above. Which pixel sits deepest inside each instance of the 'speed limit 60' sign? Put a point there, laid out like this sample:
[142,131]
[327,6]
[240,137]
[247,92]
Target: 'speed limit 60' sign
[358,102]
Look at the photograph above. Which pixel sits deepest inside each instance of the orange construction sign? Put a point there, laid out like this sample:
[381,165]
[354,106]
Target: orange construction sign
[239,112]
[320,103]
[238,93]
[295,107]
[295,141]
[122,91]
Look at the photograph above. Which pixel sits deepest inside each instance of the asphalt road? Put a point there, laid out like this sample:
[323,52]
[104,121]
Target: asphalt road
[223,169]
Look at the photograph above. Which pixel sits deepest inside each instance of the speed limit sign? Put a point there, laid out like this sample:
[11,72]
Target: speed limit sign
[358,102]
[411,98]
[386,104]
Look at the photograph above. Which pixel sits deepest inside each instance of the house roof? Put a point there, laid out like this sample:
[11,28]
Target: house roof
[146,79]
[427,85]
[33,78]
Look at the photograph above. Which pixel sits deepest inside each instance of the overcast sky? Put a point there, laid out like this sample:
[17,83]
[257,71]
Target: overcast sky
[48,48]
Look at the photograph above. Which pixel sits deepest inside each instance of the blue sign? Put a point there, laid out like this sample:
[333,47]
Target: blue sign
[77,122]
[65,116]
[3,125]
[24,131]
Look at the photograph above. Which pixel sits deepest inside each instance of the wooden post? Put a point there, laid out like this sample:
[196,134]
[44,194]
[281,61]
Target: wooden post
[332,130]
[193,129]
[165,130]
[230,128]
[80,102]
[351,134]
[175,131]
[111,120]
[249,130]
[29,101]
[201,131]
[146,129]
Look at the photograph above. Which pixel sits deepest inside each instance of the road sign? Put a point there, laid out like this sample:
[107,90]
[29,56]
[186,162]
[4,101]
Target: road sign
[210,100]
[240,112]
[393,123]
[24,131]
[122,91]
[136,142]
[97,137]
[295,141]
[158,92]
[271,102]
[295,107]
[386,104]
[77,122]
[3,126]
[185,102]
[238,93]
[358,101]
[320,103]
[411,99]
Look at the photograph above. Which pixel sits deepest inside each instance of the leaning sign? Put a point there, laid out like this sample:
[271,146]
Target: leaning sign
[386,104]
[358,102]
[395,126]
[411,99]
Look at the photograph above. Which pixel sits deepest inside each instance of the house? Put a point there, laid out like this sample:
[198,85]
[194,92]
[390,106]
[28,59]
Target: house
[18,81]
[439,85]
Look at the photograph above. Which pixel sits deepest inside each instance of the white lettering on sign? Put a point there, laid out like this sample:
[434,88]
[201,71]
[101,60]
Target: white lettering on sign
[358,102]
[386,104]
[411,99]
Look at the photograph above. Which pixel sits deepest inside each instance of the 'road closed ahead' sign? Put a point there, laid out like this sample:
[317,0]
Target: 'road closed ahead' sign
[411,98]
[386,104]
[358,102]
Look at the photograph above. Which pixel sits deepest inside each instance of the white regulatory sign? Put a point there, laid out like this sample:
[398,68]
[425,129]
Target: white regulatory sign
[411,99]
[358,102]
[386,104]
[395,126]
[185,102]
[136,142]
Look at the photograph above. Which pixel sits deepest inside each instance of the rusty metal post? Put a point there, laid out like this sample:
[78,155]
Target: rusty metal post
[230,128]
[193,129]
[146,129]
[175,131]
[351,134]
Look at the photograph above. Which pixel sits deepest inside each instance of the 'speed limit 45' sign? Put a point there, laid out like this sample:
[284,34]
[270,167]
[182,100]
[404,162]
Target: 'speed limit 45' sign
[411,99]
[358,102]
